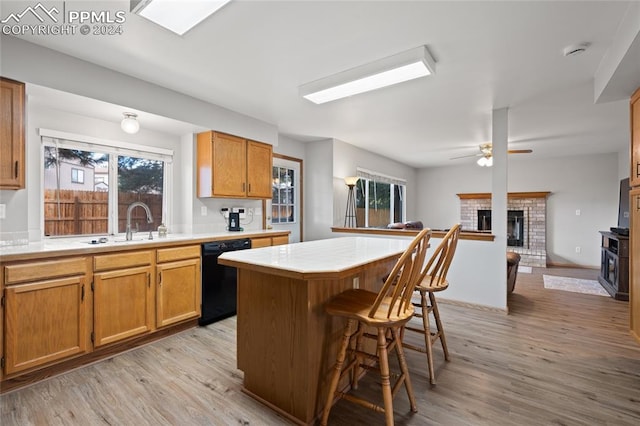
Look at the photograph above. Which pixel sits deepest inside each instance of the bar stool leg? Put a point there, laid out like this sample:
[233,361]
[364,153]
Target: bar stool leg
[384,376]
[436,314]
[342,352]
[404,368]
[427,336]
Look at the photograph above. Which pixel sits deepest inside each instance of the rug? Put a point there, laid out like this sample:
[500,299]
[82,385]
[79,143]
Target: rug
[575,285]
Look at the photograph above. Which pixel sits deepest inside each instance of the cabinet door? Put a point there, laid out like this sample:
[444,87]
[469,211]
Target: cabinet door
[178,292]
[259,164]
[634,275]
[229,166]
[635,140]
[121,304]
[45,322]
[11,134]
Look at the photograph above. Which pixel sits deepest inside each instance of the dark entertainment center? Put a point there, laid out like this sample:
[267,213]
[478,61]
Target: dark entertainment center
[614,269]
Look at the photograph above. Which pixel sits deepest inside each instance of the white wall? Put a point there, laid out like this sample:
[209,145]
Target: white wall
[588,182]
[318,190]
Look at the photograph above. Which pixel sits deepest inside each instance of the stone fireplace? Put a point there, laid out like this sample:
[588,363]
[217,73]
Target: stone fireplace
[526,222]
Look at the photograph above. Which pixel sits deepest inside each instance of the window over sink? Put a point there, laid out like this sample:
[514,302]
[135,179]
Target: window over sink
[88,185]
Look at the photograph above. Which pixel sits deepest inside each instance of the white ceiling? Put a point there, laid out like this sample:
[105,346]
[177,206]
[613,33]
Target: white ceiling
[251,57]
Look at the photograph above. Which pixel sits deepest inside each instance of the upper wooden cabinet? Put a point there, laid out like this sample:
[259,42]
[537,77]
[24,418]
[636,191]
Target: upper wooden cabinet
[12,121]
[233,167]
[635,140]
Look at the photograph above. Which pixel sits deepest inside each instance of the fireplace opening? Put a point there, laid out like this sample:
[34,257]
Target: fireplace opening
[484,220]
[515,228]
[515,225]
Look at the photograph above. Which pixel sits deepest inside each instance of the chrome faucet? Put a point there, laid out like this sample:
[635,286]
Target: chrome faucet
[129,234]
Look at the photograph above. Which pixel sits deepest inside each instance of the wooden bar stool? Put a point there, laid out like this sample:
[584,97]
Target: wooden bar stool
[386,311]
[433,279]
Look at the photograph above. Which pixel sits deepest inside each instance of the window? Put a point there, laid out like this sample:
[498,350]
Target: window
[380,199]
[77,176]
[102,181]
[283,195]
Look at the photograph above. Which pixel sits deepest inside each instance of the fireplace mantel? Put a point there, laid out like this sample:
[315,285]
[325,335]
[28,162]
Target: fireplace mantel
[510,195]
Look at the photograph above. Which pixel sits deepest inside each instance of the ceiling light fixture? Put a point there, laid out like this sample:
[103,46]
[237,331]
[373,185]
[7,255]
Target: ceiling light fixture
[485,161]
[176,16]
[394,69]
[130,123]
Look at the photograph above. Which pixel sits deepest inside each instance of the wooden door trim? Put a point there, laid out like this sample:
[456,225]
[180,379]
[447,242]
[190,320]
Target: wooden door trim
[264,203]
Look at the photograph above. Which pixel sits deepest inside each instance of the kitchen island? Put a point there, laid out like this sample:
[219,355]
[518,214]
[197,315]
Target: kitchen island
[286,344]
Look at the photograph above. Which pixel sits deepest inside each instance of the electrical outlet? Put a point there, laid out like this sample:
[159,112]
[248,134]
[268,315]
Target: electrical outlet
[578,212]
[356,282]
[241,210]
[578,249]
[3,211]
[203,211]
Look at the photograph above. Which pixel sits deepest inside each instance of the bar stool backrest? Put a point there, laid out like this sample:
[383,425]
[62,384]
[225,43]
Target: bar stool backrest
[400,283]
[434,274]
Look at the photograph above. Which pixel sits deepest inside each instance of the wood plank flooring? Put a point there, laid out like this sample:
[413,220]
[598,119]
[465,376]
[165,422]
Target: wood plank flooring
[558,358]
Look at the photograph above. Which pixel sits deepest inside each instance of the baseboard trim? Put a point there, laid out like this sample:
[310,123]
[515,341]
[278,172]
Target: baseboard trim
[571,265]
[472,306]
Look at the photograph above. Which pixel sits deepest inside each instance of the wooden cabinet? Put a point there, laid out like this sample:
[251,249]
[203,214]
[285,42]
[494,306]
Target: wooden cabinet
[178,293]
[230,166]
[12,142]
[269,241]
[46,305]
[634,285]
[634,177]
[123,296]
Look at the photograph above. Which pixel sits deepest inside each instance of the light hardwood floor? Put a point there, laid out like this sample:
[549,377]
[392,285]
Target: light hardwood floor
[558,358]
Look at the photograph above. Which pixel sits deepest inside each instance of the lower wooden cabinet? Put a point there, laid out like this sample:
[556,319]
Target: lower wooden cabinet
[178,293]
[45,319]
[122,297]
[269,241]
[634,270]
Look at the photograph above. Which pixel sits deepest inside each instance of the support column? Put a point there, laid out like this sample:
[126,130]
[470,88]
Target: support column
[500,132]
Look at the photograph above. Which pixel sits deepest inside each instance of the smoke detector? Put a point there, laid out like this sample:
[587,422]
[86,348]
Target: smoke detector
[575,49]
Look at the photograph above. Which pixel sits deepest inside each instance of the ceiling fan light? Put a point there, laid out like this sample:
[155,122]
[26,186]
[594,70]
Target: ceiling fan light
[482,161]
[489,162]
[129,123]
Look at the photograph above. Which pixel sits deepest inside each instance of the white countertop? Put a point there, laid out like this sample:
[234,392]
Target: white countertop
[330,255]
[62,245]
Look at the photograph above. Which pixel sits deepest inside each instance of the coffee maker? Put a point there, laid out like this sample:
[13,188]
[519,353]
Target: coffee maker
[234,222]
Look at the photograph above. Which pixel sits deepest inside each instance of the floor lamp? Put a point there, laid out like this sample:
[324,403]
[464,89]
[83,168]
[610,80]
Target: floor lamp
[350,215]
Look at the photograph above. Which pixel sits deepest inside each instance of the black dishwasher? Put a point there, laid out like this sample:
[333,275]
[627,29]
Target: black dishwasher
[219,283]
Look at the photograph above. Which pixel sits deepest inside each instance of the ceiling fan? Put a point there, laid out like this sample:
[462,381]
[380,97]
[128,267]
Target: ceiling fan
[486,155]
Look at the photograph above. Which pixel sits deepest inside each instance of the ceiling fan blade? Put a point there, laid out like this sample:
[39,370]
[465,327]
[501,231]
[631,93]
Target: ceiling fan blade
[520,151]
[466,156]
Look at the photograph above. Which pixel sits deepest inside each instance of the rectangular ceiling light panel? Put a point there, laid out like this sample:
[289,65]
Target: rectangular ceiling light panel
[178,16]
[385,72]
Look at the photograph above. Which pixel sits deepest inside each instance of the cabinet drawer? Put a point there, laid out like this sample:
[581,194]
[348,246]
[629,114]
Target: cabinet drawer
[177,253]
[283,239]
[122,260]
[260,242]
[26,272]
